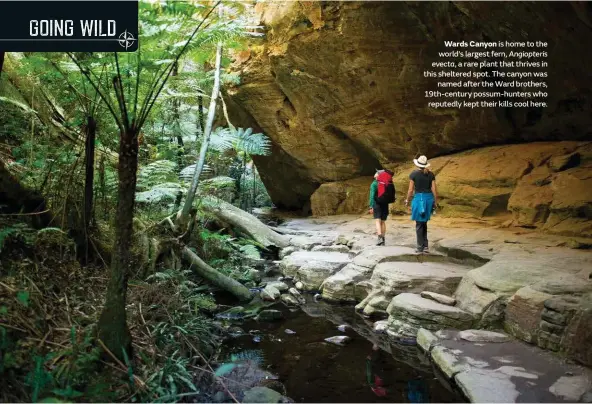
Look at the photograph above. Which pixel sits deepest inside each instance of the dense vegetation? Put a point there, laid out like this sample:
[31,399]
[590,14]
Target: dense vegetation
[109,250]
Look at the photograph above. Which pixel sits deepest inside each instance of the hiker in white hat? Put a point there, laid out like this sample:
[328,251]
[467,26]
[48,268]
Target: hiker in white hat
[422,187]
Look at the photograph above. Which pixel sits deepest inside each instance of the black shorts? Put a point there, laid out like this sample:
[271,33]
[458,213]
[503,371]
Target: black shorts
[381,211]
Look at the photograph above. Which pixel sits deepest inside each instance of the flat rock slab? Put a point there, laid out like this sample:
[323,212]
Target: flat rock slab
[408,312]
[332,248]
[290,265]
[372,256]
[483,336]
[308,242]
[414,305]
[510,371]
[447,300]
[415,277]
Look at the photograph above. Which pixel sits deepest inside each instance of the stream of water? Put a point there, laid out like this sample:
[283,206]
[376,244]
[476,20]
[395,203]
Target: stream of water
[292,352]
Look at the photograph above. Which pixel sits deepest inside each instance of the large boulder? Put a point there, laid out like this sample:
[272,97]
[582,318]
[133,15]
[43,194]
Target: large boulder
[313,273]
[345,285]
[335,198]
[486,291]
[557,196]
[523,313]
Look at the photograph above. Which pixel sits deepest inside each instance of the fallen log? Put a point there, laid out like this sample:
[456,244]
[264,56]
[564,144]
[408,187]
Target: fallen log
[218,279]
[246,222]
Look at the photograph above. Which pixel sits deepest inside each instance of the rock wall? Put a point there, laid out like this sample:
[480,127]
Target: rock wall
[547,185]
[338,86]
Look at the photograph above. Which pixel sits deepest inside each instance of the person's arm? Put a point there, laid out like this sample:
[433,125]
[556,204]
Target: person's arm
[373,189]
[435,191]
[409,192]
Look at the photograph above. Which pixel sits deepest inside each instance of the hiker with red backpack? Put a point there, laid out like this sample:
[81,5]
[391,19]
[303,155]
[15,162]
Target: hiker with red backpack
[382,192]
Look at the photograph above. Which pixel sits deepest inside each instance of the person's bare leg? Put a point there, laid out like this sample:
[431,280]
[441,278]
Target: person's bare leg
[378,227]
[383,227]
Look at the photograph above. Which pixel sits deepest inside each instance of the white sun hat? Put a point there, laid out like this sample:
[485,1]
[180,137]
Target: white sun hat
[421,162]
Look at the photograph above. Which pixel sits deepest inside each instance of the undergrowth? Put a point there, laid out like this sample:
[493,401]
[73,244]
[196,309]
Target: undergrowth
[49,306]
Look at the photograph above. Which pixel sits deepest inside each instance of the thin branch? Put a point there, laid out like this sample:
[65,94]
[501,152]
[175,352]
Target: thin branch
[120,94]
[76,92]
[139,381]
[98,90]
[134,120]
[24,214]
[226,112]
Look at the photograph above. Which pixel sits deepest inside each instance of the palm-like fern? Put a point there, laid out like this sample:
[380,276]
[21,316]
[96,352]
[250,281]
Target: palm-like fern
[242,140]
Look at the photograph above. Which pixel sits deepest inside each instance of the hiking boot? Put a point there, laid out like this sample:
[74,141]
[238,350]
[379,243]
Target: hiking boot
[419,250]
[380,240]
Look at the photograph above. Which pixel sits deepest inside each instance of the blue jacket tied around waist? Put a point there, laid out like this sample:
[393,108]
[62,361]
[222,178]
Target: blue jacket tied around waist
[421,207]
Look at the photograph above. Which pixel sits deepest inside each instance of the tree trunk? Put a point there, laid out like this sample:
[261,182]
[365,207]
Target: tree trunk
[89,150]
[177,124]
[253,199]
[218,279]
[248,223]
[1,62]
[200,113]
[113,330]
[205,141]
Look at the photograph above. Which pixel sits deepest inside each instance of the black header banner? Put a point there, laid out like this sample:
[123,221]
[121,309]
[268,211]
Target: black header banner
[68,26]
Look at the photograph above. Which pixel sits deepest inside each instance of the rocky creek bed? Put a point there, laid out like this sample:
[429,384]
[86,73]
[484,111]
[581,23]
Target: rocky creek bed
[531,293]
[292,357]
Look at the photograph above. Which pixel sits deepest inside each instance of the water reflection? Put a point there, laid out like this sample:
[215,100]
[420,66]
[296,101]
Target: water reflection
[307,369]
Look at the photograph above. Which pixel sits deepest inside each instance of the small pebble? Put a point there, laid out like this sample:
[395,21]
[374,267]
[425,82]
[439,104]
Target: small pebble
[288,331]
[254,332]
[342,327]
[338,340]
[299,285]
[280,278]
[256,338]
[317,297]
[408,341]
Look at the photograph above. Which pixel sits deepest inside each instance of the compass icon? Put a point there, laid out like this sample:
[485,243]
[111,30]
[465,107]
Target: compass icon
[126,39]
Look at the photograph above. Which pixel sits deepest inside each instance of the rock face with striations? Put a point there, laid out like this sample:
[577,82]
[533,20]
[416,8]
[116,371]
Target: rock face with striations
[339,88]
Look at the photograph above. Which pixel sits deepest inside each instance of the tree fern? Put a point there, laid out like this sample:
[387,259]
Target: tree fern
[242,140]
[158,172]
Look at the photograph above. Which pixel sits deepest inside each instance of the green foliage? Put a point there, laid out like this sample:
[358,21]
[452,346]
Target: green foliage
[172,379]
[241,140]
[23,297]
[17,232]
[213,245]
[250,251]
[71,377]
[184,323]
[155,173]
[250,355]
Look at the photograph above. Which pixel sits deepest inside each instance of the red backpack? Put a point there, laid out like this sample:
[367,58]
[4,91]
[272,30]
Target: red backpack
[386,188]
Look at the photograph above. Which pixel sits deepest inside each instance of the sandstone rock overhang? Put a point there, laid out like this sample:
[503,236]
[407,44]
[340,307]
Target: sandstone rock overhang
[338,86]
